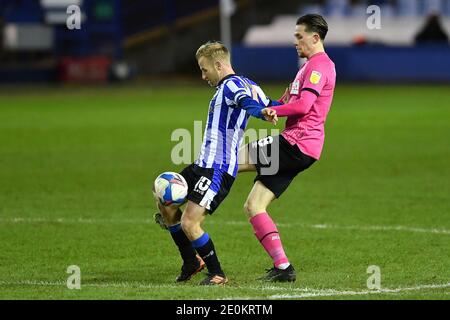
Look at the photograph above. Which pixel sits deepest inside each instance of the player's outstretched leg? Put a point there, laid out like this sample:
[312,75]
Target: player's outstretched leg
[191,221]
[192,263]
[267,234]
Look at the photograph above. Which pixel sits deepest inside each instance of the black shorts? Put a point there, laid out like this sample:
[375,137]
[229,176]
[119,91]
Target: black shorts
[276,171]
[207,187]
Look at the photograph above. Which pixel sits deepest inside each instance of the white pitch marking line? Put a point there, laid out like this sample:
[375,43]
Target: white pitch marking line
[150,286]
[240,223]
[333,293]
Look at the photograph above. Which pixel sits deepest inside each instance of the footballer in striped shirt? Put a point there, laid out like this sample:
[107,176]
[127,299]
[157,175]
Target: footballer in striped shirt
[211,176]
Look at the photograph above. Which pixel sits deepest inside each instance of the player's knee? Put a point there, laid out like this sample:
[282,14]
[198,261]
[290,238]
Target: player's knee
[188,224]
[252,208]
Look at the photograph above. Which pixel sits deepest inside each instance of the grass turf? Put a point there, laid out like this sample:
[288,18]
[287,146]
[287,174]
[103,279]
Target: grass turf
[76,168]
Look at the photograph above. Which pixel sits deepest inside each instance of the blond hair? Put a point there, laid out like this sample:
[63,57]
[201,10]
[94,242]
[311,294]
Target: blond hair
[213,50]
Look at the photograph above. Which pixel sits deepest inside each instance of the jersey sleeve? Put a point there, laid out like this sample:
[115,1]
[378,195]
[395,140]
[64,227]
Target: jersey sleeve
[315,78]
[235,90]
[298,107]
[240,92]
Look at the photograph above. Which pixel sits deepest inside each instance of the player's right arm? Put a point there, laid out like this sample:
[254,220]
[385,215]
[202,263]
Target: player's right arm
[299,107]
[315,80]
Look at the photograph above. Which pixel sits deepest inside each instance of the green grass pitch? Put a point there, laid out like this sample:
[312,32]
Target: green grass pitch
[77,165]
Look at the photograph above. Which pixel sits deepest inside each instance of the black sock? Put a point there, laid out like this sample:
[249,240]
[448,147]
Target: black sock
[208,254]
[184,245]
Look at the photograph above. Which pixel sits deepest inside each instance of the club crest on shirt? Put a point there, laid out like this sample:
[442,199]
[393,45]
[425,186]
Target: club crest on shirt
[295,87]
[315,77]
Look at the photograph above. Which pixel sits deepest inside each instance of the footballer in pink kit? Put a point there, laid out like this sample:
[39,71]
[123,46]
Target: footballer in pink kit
[310,100]
[305,104]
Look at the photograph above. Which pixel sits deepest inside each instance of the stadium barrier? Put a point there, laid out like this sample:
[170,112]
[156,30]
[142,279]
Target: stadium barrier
[427,63]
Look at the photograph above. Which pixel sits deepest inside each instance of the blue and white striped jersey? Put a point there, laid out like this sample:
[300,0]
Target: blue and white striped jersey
[226,123]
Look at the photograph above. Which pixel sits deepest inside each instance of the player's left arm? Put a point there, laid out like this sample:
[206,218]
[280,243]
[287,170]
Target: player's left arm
[255,109]
[237,92]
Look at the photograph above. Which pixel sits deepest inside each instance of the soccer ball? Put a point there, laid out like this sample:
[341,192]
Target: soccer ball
[170,188]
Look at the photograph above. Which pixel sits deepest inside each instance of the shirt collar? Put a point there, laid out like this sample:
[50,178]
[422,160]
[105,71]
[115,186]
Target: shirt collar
[225,78]
[317,55]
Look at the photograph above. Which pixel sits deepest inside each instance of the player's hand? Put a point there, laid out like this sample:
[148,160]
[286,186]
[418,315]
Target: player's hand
[287,94]
[270,115]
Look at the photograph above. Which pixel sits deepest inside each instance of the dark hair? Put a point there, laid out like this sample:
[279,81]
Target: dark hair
[314,23]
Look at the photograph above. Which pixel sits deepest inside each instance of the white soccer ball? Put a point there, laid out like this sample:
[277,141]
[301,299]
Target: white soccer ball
[170,188]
